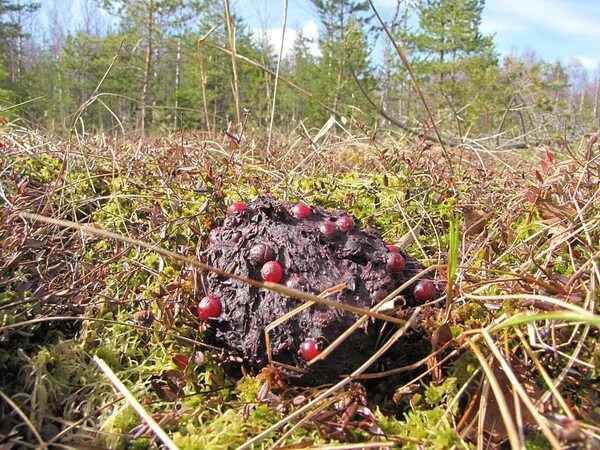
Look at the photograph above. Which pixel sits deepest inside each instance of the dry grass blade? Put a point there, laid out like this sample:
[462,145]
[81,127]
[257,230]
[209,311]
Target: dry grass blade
[284,290]
[135,404]
[331,347]
[282,79]
[511,429]
[406,63]
[337,386]
[516,385]
[279,56]
[557,395]
[94,94]
[105,321]
[231,38]
[23,416]
[292,313]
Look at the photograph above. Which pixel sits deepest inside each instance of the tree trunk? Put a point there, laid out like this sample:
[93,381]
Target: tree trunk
[177,75]
[147,67]
[342,64]
[596,98]
[387,65]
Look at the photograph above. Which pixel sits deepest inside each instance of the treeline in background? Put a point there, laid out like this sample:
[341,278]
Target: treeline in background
[166,65]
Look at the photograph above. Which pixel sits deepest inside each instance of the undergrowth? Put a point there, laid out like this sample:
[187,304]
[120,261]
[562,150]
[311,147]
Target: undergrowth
[529,244]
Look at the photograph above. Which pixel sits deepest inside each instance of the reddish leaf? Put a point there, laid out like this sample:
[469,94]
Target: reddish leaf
[181,361]
[195,230]
[538,176]
[163,392]
[531,195]
[549,156]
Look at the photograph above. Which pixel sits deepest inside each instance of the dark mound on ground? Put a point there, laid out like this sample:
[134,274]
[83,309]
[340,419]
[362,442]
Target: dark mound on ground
[313,257]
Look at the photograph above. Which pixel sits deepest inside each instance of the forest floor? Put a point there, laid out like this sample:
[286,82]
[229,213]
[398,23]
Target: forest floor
[514,237]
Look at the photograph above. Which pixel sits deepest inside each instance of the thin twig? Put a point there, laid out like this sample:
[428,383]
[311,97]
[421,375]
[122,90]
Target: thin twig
[336,387]
[285,16]
[415,84]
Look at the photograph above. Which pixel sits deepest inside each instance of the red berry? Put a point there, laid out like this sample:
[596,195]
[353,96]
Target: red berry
[260,254]
[310,349]
[271,271]
[424,291]
[345,223]
[181,361]
[328,229]
[393,248]
[395,262]
[301,211]
[235,207]
[209,306]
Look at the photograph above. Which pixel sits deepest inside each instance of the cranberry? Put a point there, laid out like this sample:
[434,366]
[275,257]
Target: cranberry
[345,223]
[271,271]
[260,254]
[395,262]
[235,207]
[424,291]
[328,229]
[209,306]
[393,248]
[310,349]
[301,211]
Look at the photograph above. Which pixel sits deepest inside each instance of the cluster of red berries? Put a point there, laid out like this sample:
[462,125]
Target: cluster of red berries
[424,290]
[263,255]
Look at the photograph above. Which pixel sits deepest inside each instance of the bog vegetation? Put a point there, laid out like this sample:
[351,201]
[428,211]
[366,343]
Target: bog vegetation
[127,142]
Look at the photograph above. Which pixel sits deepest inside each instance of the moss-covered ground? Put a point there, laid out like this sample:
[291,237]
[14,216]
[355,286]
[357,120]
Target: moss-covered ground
[515,359]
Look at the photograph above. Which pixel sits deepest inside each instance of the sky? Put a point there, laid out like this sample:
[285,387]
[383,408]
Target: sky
[556,30]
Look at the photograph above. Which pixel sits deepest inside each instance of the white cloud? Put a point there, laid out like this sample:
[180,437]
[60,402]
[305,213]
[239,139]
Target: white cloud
[559,16]
[493,25]
[309,30]
[591,63]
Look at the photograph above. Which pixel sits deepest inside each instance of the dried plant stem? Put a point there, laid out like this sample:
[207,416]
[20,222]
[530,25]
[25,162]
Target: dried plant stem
[331,347]
[135,404]
[337,386]
[173,334]
[281,289]
[285,17]
[234,82]
[203,78]
[282,79]
[518,388]
[23,416]
[557,395]
[94,94]
[415,84]
[511,429]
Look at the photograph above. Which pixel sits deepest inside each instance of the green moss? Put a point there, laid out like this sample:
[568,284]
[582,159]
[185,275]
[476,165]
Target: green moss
[537,441]
[247,389]
[464,366]
[422,428]
[122,419]
[441,394]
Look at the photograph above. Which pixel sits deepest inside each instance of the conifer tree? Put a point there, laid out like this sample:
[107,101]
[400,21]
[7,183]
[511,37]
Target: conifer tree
[152,20]
[343,46]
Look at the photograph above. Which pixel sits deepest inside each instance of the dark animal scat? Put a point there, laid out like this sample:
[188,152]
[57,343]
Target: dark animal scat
[313,262]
